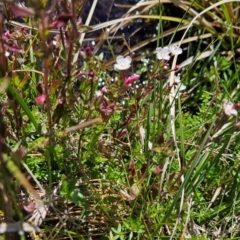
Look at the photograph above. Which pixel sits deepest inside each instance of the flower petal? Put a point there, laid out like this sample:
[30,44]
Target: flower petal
[175,50]
[123,63]
[131,79]
[228,108]
[40,99]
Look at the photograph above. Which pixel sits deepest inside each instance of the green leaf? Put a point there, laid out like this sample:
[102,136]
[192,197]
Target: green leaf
[71,192]
[24,106]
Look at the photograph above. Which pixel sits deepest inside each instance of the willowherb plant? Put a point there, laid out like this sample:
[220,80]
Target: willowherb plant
[99,140]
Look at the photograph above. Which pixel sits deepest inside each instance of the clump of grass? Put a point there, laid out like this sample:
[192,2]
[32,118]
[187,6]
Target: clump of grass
[139,145]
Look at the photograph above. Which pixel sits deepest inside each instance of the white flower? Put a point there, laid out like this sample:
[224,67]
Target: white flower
[175,50]
[7,54]
[178,86]
[163,53]
[228,108]
[177,79]
[98,93]
[123,63]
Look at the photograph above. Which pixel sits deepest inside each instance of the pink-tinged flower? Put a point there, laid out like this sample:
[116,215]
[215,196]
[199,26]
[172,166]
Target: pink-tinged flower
[98,93]
[40,99]
[104,90]
[29,207]
[128,81]
[101,92]
[60,101]
[123,63]
[8,35]
[228,108]
[163,53]
[158,169]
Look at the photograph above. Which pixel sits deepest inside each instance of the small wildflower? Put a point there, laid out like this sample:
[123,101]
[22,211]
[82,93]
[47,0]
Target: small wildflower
[88,51]
[163,53]
[60,101]
[104,90]
[8,35]
[179,87]
[177,79]
[28,206]
[40,99]
[158,169]
[128,81]
[7,54]
[175,50]
[123,63]
[99,93]
[228,108]
[182,87]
